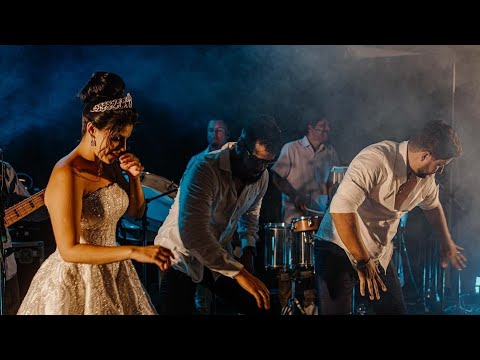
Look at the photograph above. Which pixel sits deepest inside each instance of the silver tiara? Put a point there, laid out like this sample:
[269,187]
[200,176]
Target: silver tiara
[121,103]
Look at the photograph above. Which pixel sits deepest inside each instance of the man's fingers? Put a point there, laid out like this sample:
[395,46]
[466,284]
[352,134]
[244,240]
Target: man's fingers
[370,288]
[375,288]
[382,285]
[258,299]
[266,298]
[362,285]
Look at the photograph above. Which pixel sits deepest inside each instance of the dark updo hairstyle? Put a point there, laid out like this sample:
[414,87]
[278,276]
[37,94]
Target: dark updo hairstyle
[105,86]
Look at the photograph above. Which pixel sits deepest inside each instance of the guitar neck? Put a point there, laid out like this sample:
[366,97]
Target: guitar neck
[24,208]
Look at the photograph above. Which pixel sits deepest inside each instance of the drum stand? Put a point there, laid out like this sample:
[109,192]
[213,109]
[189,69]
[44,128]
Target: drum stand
[293,306]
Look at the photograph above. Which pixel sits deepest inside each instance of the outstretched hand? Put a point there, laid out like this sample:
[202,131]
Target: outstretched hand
[153,254]
[372,278]
[452,253]
[255,287]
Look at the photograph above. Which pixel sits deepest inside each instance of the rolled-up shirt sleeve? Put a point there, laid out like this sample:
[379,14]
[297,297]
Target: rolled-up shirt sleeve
[196,200]
[362,175]
[248,222]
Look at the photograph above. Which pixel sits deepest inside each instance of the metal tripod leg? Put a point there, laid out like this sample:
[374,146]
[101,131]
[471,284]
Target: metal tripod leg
[293,305]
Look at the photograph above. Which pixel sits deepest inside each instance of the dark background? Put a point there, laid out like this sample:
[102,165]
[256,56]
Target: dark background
[370,93]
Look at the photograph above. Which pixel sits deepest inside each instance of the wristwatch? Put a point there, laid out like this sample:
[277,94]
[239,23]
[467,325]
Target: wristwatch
[362,265]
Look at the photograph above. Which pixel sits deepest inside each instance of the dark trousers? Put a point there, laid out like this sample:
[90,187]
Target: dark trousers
[177,293]
[335,279]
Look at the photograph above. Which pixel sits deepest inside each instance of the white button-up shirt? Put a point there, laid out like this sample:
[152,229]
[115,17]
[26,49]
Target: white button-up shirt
[194,157]
[206,212]
[368,189]
[307,171]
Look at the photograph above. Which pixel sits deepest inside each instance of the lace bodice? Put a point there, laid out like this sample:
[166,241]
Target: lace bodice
[100,213]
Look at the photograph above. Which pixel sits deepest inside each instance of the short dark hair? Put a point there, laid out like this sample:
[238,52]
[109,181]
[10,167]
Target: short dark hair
[312,117]
[264,130]
[439,138]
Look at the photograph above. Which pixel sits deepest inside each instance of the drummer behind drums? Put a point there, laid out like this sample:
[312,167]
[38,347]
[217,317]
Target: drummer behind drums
[302,174]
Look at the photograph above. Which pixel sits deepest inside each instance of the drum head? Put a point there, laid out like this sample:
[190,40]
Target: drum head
[306,223]
[276,225]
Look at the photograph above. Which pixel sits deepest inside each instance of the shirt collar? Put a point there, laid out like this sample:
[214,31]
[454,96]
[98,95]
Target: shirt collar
[224,156]
[400,170]
[305,143]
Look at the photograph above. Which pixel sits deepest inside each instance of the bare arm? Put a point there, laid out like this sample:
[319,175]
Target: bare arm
[359,181]
[285,187]
[255,287]
[131,164]
[348,231]
[449,250]
[63,198]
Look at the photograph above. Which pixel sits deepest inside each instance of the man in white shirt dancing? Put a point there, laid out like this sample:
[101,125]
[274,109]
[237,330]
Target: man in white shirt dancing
[219,191]
[354,241]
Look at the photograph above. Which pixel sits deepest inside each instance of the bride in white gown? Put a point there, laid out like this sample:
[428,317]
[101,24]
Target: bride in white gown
[86,196]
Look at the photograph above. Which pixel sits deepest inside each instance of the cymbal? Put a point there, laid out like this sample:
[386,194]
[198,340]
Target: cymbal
[158,204]
[159,184]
